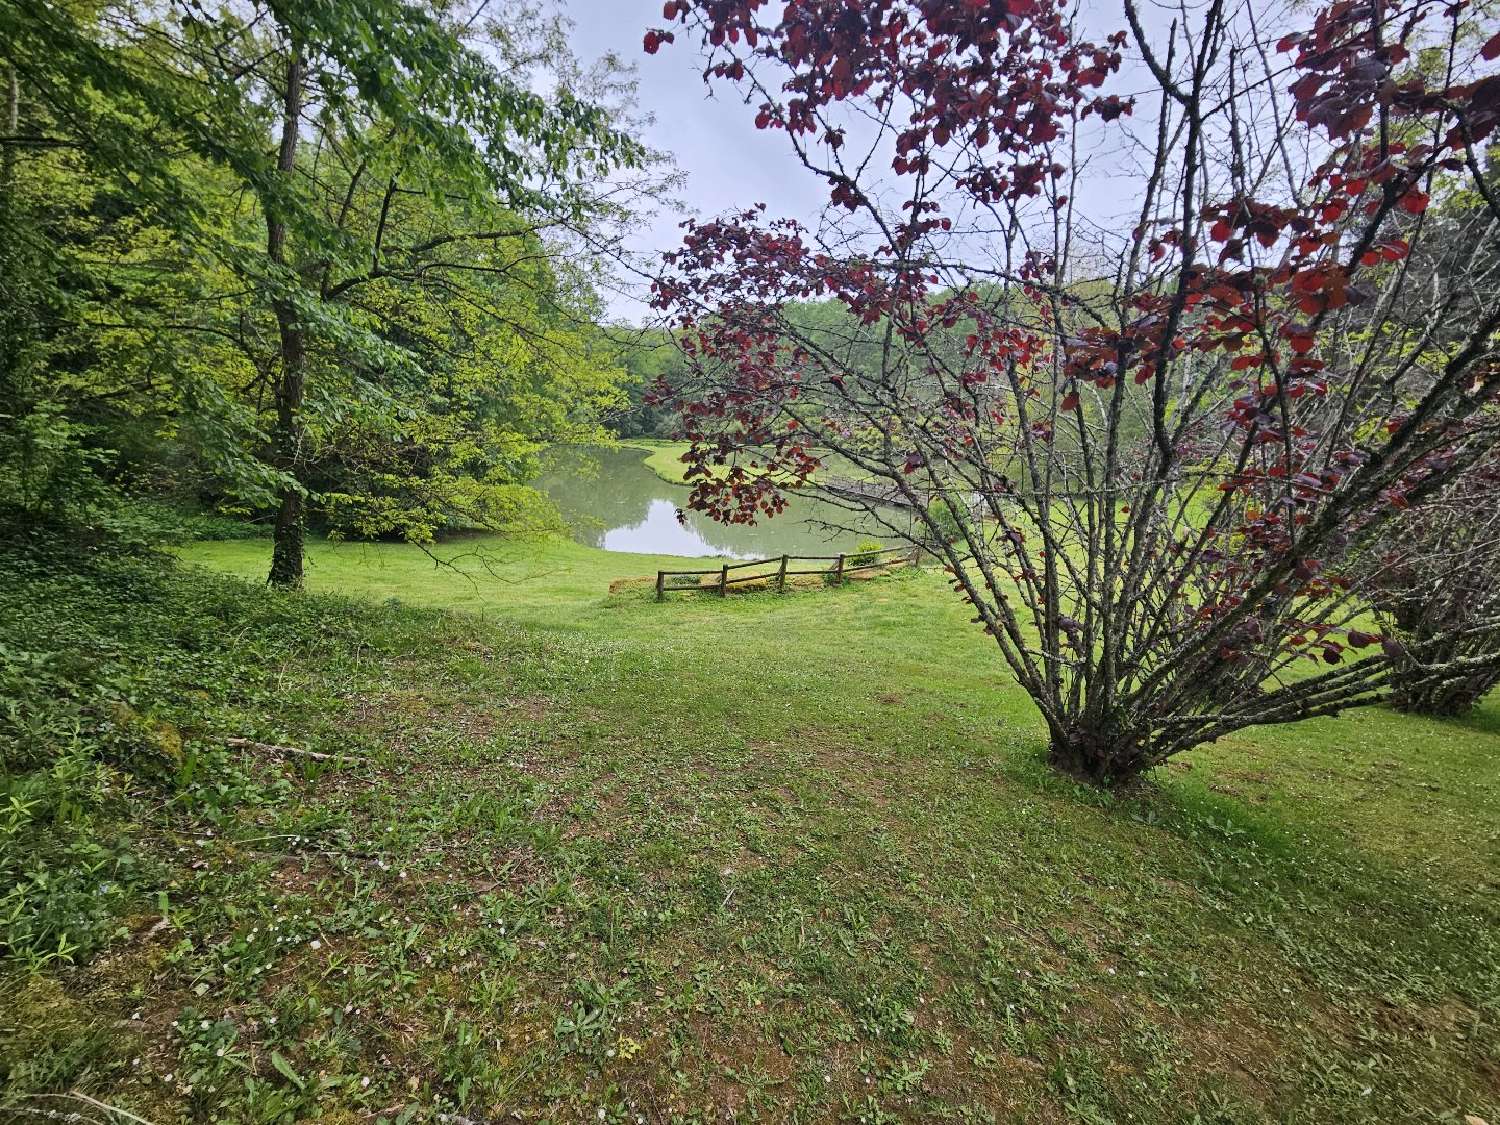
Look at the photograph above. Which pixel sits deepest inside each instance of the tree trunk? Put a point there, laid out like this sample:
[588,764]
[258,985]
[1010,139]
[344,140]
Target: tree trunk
[1103,758]
[1416,692]
[12,128]
[286,553]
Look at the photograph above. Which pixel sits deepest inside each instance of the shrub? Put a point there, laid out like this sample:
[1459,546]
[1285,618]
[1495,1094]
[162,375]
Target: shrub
[1176,452]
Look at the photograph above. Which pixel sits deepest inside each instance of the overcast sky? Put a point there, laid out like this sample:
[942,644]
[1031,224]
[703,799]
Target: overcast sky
[730,164]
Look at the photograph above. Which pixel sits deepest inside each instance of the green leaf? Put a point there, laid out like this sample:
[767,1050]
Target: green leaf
[278,1060]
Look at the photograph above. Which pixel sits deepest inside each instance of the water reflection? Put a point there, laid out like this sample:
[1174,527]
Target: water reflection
[610,499]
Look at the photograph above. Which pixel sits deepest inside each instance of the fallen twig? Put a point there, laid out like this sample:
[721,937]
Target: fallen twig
[271,748]
[115,1112]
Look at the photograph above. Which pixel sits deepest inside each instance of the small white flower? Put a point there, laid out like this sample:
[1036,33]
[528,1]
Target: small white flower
[316,944]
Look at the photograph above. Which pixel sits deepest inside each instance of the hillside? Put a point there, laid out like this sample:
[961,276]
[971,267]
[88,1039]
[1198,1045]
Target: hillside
[582,856]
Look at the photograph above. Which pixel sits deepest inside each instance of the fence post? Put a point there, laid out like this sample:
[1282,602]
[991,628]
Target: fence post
[724,580]
[781,576]
[838,575]
[661,585]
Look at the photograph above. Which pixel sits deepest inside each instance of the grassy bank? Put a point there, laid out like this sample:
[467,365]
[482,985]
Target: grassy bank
[576,855]
[664,458]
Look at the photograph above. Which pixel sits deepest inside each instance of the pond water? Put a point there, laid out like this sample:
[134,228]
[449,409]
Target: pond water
[610,499]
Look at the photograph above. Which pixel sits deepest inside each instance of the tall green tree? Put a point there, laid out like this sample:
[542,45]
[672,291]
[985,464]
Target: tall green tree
[370,142]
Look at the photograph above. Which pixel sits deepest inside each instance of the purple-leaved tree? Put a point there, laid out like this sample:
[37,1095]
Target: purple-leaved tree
[1155,459]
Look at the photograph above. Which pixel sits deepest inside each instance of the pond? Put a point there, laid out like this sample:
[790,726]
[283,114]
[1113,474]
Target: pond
[611,500]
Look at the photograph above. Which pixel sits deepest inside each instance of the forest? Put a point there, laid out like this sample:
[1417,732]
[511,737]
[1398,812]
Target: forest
[411,412]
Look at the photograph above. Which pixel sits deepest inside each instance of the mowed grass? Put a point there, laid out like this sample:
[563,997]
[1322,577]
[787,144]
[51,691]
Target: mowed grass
[582,856]
[664,458]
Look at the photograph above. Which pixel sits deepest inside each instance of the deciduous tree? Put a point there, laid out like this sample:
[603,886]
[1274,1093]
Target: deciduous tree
[366,142]
[1161,447]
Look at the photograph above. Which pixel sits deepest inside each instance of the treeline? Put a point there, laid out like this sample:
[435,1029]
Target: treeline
[301,263]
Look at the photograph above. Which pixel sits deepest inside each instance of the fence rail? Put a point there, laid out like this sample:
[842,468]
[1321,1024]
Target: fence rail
[869,560]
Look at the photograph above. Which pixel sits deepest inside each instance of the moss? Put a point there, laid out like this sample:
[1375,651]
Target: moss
[50,1041]
[142,744]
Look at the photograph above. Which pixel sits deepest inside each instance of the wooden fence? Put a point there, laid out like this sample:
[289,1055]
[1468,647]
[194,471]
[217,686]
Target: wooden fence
[851,562]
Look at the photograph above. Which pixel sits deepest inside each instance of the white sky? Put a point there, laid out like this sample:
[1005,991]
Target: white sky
[729,163]
[732,165]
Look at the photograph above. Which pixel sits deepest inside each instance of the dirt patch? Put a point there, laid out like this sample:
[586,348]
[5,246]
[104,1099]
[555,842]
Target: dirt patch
[396,717]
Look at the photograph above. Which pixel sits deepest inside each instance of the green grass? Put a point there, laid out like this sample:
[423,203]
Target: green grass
[776,857]
[664,458]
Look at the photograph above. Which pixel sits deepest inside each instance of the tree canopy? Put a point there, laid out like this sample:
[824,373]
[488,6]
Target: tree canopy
[293,253]
[1155,461]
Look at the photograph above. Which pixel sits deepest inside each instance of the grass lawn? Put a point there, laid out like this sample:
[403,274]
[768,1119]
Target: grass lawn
[580,856]
[664,458]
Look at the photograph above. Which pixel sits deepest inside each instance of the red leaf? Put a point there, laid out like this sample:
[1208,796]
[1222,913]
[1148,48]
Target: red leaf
[1414,202]
[654,40]
[1070,401]
[1491,50]
[1302,342]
